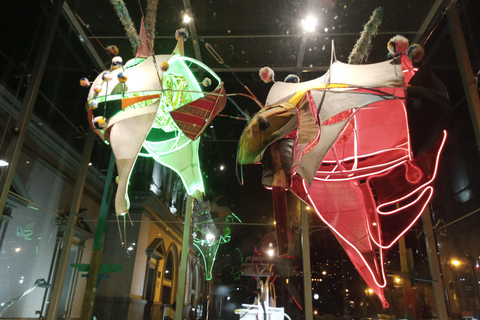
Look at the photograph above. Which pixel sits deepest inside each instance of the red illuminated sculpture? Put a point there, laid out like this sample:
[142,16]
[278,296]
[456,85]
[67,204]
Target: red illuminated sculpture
[360,145]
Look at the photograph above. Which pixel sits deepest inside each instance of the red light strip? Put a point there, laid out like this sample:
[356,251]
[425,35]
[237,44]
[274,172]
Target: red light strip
[430,189]
[348,242]
[296,302]
[427,188]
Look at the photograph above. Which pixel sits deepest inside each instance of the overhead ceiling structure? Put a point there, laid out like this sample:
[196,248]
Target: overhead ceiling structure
[250,34]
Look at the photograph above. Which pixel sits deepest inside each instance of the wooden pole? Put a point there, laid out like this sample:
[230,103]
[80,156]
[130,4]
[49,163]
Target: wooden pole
[307,272]
[182,275]
[408,294]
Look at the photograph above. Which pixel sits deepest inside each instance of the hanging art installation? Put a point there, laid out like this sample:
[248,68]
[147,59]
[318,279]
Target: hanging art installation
[359,145]
[153,106]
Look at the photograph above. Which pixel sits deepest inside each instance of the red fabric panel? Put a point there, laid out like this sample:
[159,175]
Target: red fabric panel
[194,117]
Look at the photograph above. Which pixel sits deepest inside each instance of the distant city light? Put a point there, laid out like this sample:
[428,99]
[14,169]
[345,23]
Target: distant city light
[309,24]
[186,18]
[324,272]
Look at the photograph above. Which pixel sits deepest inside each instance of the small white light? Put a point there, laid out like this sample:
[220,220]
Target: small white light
[17,249]
[228,298]
[3,163]
[130,248]
[210,237]
[186,18]
[222,167]
[166,271]
[270,252]
[309,24]
[316,296]
[89,164]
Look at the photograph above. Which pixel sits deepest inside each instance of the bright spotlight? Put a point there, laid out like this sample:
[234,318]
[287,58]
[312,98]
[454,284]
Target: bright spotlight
[309,24]
[186,18]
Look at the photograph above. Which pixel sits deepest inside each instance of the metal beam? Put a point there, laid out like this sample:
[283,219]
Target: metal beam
[277,69]
[246,36]
[16,144]
[431,16]
[431,244]
[193,30]
[69,232]
[72,19]
[307,270]
[465,68]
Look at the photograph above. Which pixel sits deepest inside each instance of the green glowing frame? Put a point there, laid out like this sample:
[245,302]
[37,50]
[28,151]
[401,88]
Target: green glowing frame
[209,250]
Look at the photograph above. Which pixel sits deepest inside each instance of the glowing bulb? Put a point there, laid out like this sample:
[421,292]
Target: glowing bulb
[324,272]
[18,249]
[374,224]
[270,252]
[186,18]
[222,167]
[456,263]
[3,163]
[210,237]
[370,290]
[316,296]
[397,280]
[130,248]
[309,24]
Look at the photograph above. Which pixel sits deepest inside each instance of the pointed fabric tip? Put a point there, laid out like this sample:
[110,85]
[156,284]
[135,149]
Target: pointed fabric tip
[143,50]
[179,49]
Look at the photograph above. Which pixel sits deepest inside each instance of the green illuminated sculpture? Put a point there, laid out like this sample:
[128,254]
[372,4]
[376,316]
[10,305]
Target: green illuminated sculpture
[154,107]
[207,237]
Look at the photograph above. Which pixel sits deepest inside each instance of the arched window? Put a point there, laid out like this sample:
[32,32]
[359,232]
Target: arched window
[169,277]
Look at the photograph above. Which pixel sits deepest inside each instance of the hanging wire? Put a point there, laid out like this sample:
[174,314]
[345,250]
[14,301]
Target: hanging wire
[86,26]
[222,62]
